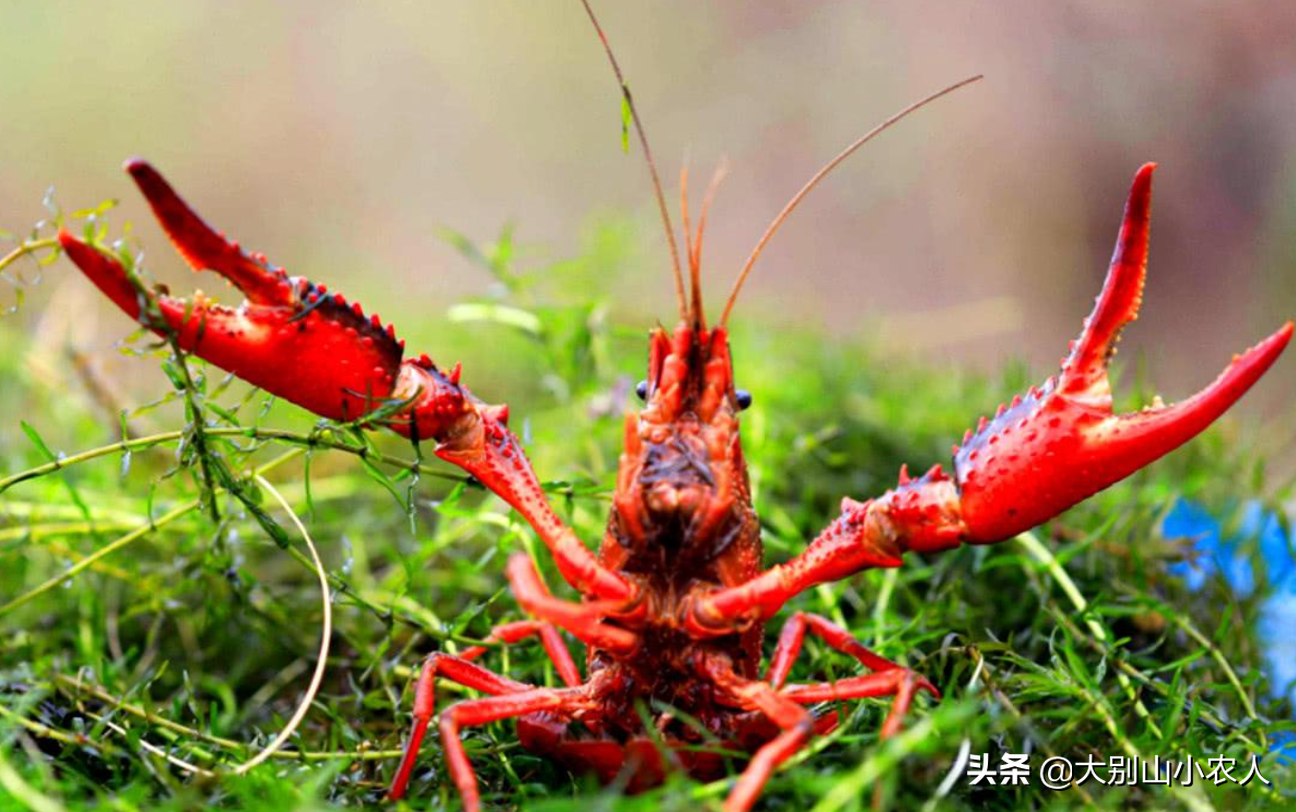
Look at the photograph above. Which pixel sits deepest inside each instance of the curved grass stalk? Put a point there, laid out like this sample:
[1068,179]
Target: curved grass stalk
[29,247]
[326,634]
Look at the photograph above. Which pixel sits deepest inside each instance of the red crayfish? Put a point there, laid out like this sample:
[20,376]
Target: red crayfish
[674,604]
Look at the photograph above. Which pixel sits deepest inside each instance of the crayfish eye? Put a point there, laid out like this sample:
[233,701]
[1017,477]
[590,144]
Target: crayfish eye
[744,399]
[641,389]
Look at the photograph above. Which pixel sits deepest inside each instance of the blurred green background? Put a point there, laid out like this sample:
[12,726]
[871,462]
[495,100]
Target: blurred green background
[337,137]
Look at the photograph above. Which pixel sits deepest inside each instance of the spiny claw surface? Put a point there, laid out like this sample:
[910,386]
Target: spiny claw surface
[205,248]
[1062,442]
[291,337]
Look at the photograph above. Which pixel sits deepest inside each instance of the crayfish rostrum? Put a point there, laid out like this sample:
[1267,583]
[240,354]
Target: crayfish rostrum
[673,605]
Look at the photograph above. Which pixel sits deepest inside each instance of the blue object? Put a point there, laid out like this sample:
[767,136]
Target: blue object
[1215,555]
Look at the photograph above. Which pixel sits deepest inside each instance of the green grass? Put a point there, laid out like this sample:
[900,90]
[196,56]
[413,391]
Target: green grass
[196,636]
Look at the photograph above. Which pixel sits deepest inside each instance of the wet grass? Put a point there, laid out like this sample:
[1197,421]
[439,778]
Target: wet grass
[160,617]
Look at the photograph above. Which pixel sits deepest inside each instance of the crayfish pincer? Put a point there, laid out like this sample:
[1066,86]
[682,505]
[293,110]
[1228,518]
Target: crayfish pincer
[673,604]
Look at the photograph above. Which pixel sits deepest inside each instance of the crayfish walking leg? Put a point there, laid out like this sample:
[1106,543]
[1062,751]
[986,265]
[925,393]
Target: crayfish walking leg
[518,630]
[794,721]
[471,712]
[462,670]
[887,679]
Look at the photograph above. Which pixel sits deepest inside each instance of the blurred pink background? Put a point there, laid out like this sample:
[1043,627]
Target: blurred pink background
[337,137]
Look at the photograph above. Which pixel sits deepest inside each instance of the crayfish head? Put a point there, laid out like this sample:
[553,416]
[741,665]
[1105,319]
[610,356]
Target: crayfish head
[682,471]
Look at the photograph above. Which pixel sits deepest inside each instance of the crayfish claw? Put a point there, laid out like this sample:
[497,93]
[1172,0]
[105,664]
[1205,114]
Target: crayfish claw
[205,248]
[1062,443]
[1084,372]
[1159,428]
[106,273]
[290,337]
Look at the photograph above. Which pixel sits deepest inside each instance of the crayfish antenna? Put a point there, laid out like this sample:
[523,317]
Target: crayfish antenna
[717,177]
[652,165]
[695,270]
[695,245]
[820,175]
